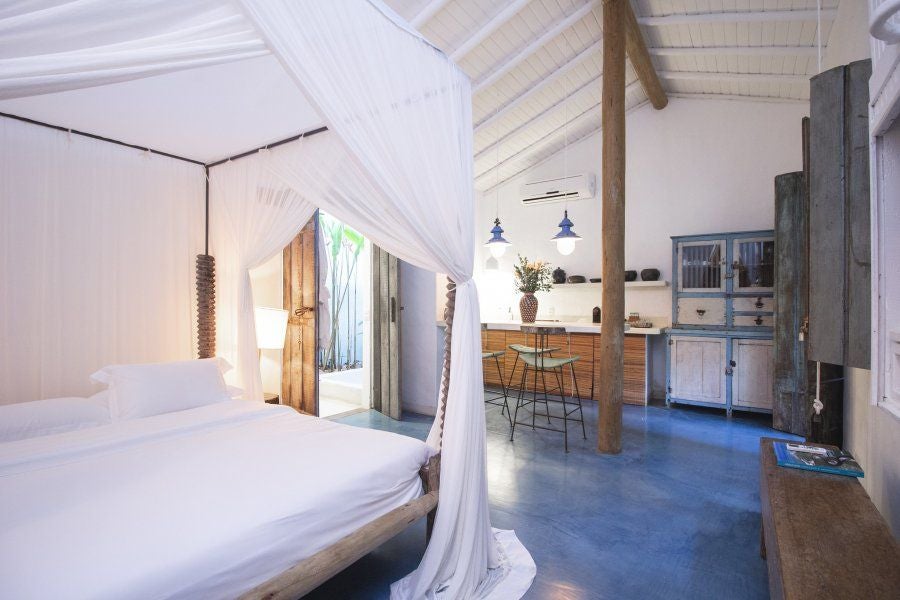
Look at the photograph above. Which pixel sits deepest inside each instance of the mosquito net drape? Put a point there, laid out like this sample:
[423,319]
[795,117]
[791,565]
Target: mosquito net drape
[396,164]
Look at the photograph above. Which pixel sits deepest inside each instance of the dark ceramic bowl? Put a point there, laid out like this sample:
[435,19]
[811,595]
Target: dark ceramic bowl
[630,275]
[576,279]
[595,280]
[650,275]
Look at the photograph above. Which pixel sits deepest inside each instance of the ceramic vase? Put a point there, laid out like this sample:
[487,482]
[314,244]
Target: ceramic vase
[528,306]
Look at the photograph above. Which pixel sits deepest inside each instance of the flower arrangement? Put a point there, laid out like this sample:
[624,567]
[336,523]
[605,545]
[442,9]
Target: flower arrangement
[532,277]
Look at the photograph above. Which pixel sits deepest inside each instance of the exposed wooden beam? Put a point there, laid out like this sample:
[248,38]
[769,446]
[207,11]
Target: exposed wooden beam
[736,51]
[592,50]
[428,11]
[530,122]
[738,97]
[753,77]
[524,53]
[640,59]
[498,21]
[582,116]
[828,14]
[612,226]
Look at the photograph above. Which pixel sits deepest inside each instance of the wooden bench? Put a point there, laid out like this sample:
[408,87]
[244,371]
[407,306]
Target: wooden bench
[822,536]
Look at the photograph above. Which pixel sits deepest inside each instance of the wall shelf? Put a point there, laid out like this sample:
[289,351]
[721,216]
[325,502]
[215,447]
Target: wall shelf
[628,284]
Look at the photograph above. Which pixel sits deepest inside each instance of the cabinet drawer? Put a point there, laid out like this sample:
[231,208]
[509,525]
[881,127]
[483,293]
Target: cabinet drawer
[753,320]
[754,304]
[701,311]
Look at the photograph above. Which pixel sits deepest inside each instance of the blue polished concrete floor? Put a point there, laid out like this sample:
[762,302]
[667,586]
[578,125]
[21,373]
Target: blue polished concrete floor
[676,515]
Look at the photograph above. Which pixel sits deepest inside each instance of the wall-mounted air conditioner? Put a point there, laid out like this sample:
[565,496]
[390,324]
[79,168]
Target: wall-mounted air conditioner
[558,189]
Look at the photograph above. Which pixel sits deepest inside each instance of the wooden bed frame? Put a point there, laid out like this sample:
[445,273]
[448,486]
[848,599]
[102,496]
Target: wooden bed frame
[312,572]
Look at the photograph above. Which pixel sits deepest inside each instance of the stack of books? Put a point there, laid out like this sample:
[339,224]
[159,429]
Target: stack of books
[826,459]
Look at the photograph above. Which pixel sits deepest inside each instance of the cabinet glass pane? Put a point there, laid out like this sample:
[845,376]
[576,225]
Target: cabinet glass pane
[701,266]
[754,264]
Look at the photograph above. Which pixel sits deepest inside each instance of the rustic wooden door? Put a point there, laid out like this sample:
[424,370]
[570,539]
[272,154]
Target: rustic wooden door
[697,370]
[385,316]
[299,373]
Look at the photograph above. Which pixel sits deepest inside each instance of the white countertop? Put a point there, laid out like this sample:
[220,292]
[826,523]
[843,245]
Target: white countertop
[570,326]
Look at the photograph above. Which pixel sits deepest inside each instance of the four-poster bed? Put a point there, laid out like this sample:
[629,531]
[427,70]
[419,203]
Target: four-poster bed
[396,163]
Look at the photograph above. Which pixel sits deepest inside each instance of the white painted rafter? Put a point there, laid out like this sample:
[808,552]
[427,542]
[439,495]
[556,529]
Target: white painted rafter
[428,11]
[738,98]
[592,50]
[593,109]
[735,51]
[750,77]
[514,61]
[828,14]
[547,111]
[498,21]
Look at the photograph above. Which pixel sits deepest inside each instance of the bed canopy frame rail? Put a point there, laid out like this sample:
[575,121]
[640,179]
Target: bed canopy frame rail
[315,570]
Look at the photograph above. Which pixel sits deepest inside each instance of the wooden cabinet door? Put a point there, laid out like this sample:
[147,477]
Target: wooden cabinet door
[493,340]
[751,385]
[697,368]
[701,266]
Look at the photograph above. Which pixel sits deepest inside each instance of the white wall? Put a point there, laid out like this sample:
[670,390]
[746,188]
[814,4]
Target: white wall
[697,166]
[849,38]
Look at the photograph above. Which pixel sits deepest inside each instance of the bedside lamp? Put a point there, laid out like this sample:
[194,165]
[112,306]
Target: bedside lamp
[271,328]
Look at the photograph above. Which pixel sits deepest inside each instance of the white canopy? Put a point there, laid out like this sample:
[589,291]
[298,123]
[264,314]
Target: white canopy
[396,164]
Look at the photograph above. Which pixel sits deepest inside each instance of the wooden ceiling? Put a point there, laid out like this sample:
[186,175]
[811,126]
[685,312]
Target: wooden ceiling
[536,65]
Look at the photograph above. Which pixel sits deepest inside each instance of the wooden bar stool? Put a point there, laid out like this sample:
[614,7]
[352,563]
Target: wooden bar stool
[540,364]
[495,399]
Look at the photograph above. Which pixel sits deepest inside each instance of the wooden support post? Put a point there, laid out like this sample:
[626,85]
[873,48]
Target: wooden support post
[640,58]
[612,338]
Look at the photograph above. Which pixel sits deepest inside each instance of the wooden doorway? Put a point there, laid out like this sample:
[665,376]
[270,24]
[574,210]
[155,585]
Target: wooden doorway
[299,370]
[386,333]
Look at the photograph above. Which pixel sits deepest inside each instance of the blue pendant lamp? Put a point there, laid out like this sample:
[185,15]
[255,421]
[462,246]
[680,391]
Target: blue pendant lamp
[566,238]
[497,243]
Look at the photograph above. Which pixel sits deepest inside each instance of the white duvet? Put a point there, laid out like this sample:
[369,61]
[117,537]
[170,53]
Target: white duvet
[202,503]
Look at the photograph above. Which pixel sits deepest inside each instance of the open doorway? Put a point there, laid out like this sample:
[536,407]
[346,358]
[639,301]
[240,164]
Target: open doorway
[344,309]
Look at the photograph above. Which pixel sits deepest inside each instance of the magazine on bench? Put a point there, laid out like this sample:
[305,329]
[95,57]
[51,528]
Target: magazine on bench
[826,459]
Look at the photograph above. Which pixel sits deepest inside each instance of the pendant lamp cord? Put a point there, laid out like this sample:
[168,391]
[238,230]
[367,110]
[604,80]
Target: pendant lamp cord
[497,165]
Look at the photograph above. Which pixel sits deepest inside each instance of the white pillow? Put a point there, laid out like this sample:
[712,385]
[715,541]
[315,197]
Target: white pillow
[54,415]
[151,389]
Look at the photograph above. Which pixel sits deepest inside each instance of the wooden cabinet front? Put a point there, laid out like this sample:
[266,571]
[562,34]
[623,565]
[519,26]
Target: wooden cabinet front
[697,369]
[751,385]
[586,369]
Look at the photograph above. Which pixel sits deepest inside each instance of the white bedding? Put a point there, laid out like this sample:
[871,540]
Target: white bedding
[202,503]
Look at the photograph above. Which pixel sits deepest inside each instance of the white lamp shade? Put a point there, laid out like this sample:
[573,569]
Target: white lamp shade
[271,327]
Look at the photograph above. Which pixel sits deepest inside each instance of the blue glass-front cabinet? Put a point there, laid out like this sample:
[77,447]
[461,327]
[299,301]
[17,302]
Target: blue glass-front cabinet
[719,349]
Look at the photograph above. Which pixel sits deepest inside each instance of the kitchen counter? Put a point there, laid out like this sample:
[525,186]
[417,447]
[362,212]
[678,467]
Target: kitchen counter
[570,326]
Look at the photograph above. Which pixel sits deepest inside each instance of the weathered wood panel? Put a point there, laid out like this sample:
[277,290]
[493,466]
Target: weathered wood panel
[385,386]
[823,537]
[858,235]
[840,259]
[792,406]
[299,372]
[827,282]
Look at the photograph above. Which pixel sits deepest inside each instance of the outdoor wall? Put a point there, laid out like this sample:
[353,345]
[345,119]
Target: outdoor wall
[698,166]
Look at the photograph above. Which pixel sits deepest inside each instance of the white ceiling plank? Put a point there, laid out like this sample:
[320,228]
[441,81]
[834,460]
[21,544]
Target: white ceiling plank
[593,49]
[754,77]
[498,21]
[591,110]
[738,17]
[739,97]
[428,11]
[735,51]
[573,140]
[526,124]
[531,48]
